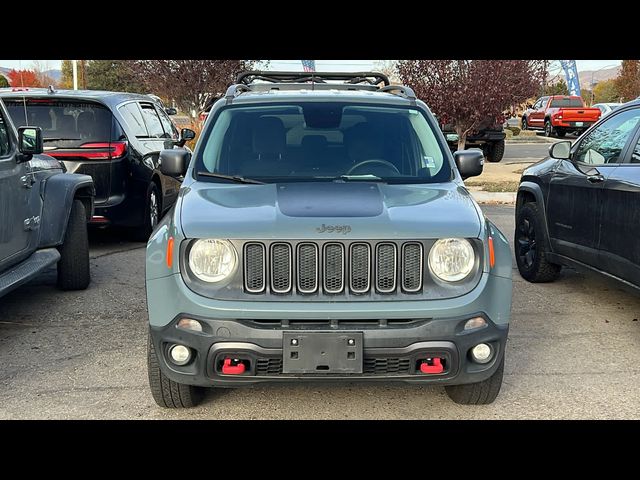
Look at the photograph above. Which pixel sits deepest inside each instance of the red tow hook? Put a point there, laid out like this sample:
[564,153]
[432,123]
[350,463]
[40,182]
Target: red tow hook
[233,366]
[435,367]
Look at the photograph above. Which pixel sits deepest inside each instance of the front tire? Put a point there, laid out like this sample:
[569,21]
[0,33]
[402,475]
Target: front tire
[152,210]
[525,126]
[166,392]
[529,240]
[481,393]
[73,266]
[495,152]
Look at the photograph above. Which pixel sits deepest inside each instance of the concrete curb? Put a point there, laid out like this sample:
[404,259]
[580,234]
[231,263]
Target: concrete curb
[508,198]
[529,141]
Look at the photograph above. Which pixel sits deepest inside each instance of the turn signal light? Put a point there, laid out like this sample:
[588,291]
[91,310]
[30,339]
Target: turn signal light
[492,255]
[170,252]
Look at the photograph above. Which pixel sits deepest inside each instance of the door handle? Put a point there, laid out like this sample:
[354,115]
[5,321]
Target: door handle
[595,178]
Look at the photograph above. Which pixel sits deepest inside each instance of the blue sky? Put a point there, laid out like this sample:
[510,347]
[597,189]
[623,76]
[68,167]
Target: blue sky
[327,65]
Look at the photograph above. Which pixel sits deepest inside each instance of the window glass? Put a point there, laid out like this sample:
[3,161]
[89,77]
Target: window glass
[566,103]
[635,156]
[132,115]
[64,123]
[151,119]
[311,141]
[167,125]
[4,137]
[604,144]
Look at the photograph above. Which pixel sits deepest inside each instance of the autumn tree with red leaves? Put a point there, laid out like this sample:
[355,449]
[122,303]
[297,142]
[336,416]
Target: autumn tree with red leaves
[23,78]
[189,83]
[472,94]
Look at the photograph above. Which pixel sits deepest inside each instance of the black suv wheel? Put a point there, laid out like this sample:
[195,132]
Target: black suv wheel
[152,211]
[530,239]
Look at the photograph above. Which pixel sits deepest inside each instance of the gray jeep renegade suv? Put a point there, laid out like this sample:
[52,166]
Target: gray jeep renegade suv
[323,232]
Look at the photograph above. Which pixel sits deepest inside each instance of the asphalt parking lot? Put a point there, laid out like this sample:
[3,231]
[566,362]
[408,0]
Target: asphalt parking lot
[573,352]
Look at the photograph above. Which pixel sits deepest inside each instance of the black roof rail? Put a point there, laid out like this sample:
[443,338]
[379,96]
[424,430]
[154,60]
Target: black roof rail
[370,78]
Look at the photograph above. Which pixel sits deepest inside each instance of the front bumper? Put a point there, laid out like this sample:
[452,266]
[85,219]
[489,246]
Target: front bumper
[392,351]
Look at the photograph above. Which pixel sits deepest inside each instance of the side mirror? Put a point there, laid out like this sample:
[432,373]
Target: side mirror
[560,150]
[30,140]
[469,162]
[186,134]
[174,162]
[170,111]
[529,105]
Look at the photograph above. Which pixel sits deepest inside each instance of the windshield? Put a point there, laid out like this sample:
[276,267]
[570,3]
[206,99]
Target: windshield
[313,141]
[65,124]
[566,102]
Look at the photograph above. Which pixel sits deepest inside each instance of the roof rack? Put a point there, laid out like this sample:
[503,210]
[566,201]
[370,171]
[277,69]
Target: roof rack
[370,78]
[370,81]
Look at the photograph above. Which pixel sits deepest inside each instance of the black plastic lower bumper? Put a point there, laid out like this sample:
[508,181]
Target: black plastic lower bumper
[389,353]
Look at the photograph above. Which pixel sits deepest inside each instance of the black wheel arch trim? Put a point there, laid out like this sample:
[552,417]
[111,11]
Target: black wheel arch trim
[536,191]
[59,192]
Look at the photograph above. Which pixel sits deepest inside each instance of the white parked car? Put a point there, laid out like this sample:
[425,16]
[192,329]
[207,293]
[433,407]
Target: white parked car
[606,108]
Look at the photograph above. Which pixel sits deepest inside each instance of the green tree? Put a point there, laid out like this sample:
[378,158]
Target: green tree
[112,75]
[606,91]
[557,88]
[66,77]
[3,81]
[628,81]
[586,96]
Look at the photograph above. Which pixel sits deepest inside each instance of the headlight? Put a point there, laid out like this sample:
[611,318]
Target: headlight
[451,259]
[212,260]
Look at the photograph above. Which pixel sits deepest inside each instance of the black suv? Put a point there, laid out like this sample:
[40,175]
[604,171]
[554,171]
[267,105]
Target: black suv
[579,207]
[116,138]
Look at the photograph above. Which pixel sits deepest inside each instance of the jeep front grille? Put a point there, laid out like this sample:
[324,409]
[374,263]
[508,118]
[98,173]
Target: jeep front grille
[254,267]
[281,267]
[333,268]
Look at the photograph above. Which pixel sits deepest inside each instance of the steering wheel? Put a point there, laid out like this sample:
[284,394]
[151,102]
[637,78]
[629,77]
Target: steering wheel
[373,161]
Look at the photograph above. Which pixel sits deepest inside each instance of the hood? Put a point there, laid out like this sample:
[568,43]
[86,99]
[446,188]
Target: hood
[328,210]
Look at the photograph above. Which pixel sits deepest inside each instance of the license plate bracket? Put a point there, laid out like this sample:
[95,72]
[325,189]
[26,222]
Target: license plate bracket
[322,352]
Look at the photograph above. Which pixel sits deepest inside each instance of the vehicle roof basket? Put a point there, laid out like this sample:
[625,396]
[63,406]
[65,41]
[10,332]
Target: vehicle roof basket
[261,80]
[351,78]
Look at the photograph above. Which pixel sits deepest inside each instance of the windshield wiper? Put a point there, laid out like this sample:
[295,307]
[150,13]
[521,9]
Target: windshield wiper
[233,178]
[363,178]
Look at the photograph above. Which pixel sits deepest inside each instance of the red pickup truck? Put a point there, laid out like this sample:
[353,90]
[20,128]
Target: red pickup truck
[559,114]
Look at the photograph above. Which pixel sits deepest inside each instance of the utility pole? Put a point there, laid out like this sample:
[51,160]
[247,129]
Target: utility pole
[75,74]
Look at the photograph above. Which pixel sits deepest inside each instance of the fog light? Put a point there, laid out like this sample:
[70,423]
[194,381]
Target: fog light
[482,353]
[476,322]
[190,324]
[180,355]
